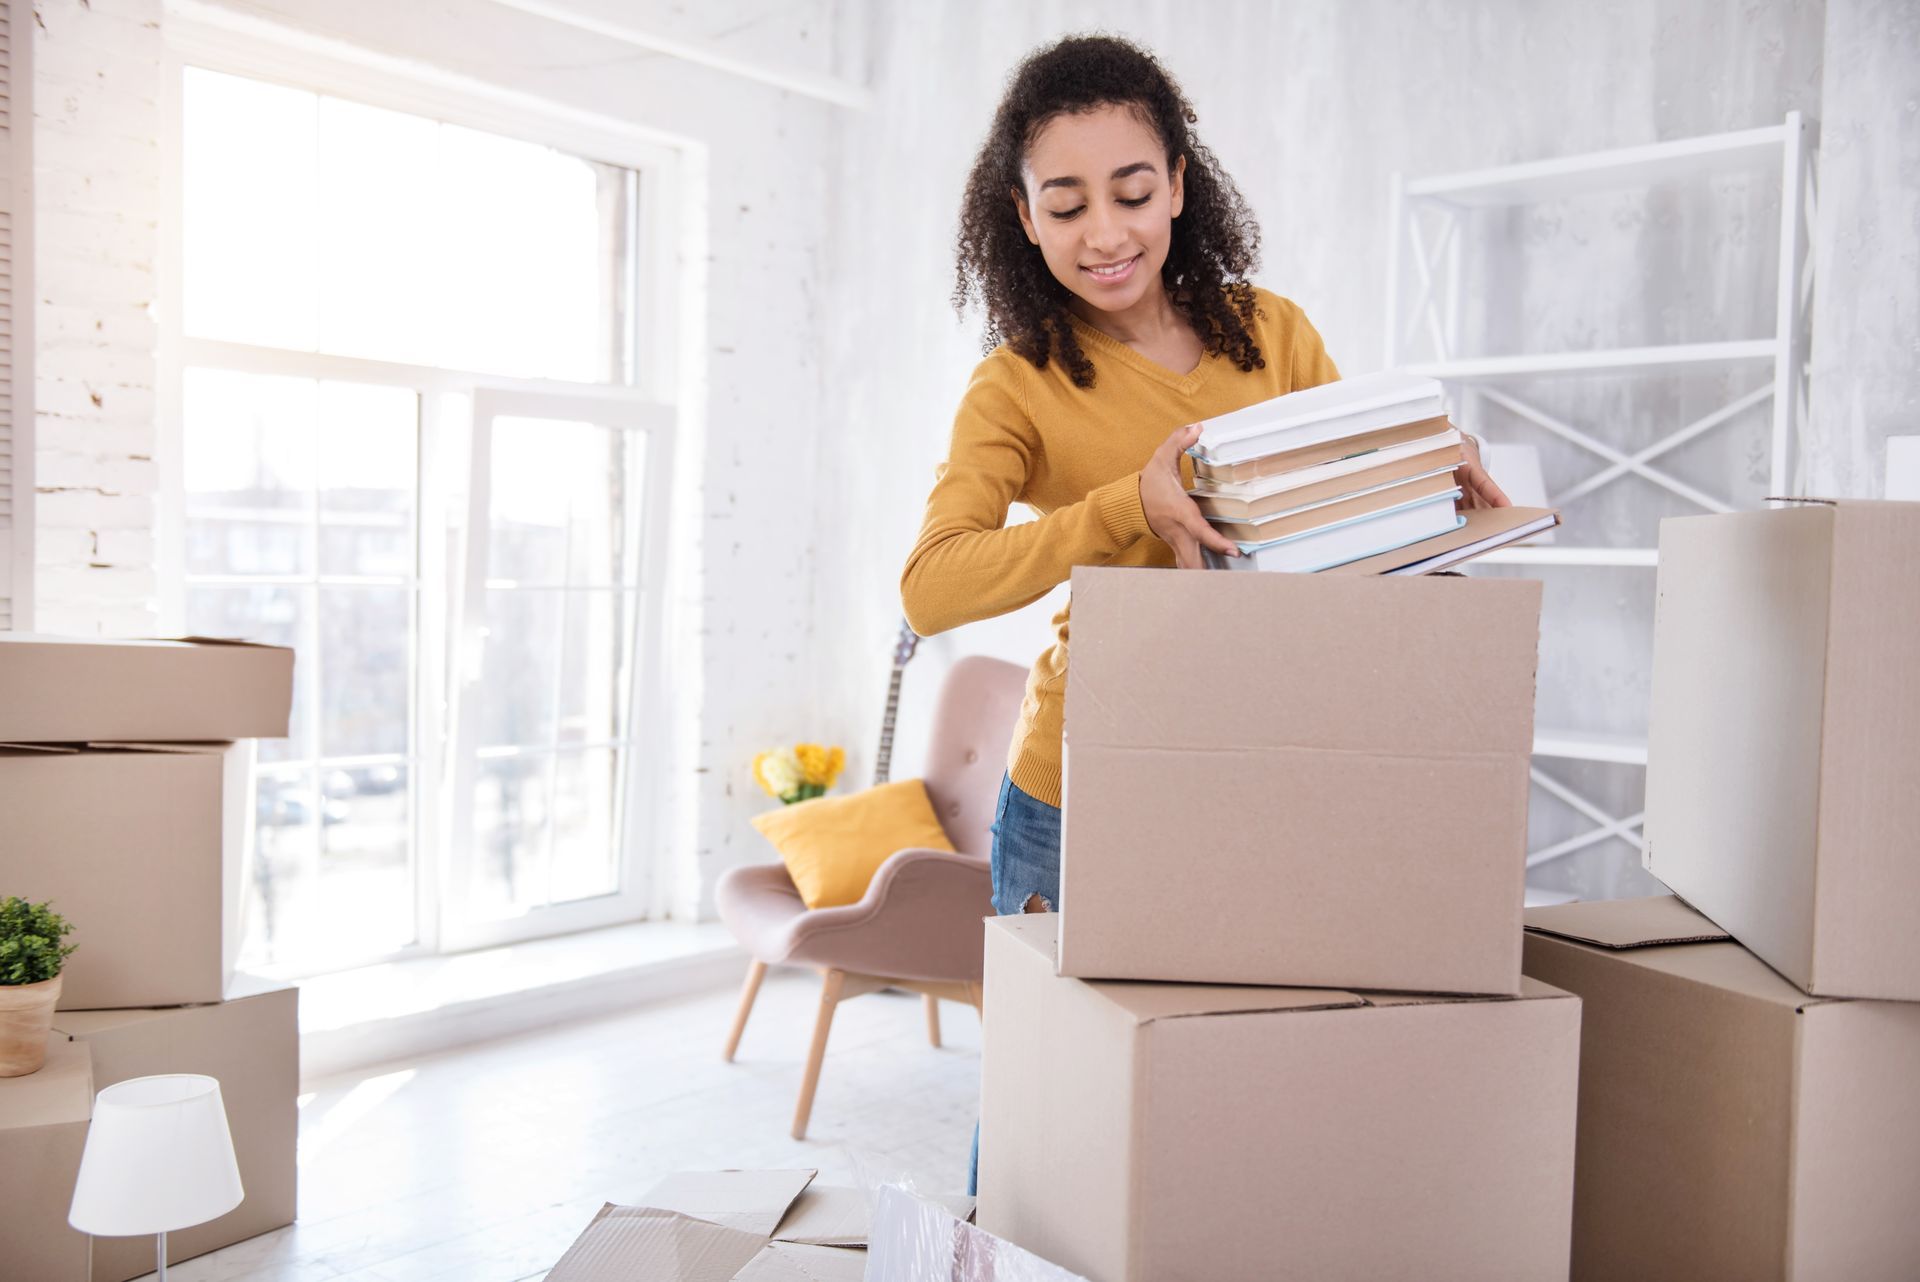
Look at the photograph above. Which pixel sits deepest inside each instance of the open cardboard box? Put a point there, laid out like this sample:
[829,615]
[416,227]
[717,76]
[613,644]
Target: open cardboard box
[69,689]
[251,1045]
[1298,779]
[730,1226]
[1730,1125]
[1784,746]
[43,1131]
[1134,1131]
[142,848]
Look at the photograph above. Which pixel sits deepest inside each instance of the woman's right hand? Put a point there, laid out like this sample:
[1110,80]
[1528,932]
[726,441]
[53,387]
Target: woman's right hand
[1174,517]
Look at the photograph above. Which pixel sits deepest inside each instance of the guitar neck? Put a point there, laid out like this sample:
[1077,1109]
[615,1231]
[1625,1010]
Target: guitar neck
[883,760]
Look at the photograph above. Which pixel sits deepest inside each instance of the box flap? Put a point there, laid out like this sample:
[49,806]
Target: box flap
[1530,990]
[1625,923]
[798,1262]
[833,1215]
[751,1201]
[61,1092]
[627,1242]
[1400,695]
[186,748]
[40,749]
[1147,1001]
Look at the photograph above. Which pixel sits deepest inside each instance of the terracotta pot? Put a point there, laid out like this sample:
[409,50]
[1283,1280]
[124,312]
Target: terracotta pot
[26,1017]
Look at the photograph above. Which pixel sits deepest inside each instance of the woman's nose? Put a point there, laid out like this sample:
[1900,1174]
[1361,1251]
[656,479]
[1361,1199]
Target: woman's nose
[1104,231]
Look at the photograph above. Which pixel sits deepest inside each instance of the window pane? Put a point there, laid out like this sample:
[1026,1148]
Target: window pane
[248,466]
[368,461]
[332,878]
[511,808]
[272,616]
[365,653]
[560,503]
[250,189]
[586,790]
[593,672]
[522,660]
[318,224]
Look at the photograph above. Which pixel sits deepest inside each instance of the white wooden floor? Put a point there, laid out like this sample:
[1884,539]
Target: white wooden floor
[482,1165]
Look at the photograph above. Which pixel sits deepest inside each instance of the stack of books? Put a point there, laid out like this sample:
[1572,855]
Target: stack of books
[1352,472]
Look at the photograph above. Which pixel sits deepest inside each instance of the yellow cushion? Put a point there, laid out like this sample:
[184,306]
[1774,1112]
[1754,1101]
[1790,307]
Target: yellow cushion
[834,845]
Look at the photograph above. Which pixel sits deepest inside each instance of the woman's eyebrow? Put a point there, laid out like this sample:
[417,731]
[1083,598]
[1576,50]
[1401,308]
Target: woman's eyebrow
[1137,167]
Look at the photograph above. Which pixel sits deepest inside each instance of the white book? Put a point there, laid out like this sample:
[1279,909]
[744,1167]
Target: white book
[1262,486]
[1319,414]
[1344,541]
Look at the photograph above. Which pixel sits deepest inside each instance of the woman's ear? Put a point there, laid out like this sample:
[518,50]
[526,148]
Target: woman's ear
[1026,215]
[1177,186]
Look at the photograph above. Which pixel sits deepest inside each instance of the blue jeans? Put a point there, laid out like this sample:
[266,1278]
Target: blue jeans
[1026,863]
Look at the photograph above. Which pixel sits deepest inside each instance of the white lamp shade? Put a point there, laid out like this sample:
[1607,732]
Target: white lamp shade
[159,1157]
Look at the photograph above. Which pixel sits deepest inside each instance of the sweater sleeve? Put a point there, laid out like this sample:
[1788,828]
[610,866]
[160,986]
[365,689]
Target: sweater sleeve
[967,563]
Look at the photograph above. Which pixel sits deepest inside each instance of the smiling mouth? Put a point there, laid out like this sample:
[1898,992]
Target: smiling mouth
[1112,271]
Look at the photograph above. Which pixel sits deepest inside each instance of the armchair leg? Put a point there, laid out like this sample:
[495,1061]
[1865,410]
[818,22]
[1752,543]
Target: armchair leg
[756,971]
[933,1019]
[822,1025]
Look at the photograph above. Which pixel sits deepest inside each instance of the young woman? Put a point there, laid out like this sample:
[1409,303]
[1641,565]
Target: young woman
[1110,252]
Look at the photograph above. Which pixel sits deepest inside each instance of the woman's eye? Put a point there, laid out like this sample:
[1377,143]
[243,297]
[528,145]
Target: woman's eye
[1135,204]
[1063,215]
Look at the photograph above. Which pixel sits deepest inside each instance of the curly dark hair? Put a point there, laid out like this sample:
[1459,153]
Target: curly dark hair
[1215,240]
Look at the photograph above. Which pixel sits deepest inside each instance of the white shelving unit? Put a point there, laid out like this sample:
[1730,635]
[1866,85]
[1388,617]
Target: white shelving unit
[1425,235]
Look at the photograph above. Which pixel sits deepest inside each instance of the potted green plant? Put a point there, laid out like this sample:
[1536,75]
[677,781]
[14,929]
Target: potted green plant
[31,955]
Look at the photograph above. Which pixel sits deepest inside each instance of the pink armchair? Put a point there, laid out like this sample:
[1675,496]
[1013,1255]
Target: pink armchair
[918,926]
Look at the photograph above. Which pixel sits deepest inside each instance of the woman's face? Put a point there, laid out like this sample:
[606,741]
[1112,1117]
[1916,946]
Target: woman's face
[1100,202]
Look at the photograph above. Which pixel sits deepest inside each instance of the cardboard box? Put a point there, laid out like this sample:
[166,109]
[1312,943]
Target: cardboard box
[730,1226]
[1785,738]
[43,1131]
[1730,1125]
[1133,1131]
[142,849]
[1297,779]
[251,1043]
[69,689]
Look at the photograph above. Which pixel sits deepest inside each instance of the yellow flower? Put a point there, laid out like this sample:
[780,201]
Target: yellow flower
[820,766]
[777,772]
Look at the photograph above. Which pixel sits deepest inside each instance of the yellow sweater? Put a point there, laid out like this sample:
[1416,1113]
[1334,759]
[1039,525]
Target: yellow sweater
[1073,455]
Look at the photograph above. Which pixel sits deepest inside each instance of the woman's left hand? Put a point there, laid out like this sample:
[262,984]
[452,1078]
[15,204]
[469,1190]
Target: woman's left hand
[1477,489]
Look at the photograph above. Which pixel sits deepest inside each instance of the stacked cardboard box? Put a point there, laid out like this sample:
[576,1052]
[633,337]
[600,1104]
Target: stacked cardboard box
[1738,1121]
[1360,469]
[124,778]
[1304,799]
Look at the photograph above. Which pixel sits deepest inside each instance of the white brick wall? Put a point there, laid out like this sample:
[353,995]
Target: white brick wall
[96,202]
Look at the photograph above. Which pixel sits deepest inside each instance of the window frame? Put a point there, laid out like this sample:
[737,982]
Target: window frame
[665,274]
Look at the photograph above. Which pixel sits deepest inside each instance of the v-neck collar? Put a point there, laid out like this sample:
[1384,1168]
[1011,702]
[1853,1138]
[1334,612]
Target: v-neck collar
[1187,383]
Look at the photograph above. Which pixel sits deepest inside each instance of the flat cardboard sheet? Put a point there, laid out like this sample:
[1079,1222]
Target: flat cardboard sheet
[68,689]
[751,1201]
[43,1131]
[1730,1125]
[1378,1136]
[142,849]
[799,1262]
[1785,737]
[251,1044]
[1296,779]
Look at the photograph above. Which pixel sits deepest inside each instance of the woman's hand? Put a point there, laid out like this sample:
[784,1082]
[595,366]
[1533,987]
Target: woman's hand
[1477,489]
[1173,517]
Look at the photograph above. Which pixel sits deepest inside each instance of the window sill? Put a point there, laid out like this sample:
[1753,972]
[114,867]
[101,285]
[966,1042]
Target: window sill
[395,1010]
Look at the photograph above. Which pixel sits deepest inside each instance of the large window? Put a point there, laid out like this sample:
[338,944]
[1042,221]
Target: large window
[411,449]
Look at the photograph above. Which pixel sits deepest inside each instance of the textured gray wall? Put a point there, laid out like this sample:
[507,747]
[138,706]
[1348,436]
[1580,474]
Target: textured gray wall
[1312,106]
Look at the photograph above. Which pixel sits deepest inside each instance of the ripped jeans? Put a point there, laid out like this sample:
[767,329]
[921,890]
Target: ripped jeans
[1026,863]
[1026,852]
